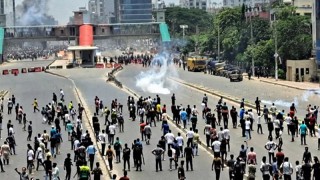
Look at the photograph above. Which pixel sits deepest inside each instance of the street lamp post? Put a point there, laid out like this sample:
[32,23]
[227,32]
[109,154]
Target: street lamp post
[276,55]
[250,13]
[218,41]
[183,29]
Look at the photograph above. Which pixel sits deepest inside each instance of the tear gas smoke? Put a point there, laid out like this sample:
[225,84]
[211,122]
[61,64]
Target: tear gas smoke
[281,102]
[34,12]
[155,80]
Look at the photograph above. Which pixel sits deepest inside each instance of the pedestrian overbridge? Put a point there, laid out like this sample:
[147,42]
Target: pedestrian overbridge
[71,32]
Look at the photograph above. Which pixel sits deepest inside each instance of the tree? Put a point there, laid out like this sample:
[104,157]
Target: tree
[194,18]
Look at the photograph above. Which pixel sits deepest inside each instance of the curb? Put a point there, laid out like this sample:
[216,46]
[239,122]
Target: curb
[3,93]
[288,86]
[87,116]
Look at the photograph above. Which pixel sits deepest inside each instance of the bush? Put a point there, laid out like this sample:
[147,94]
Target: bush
[281,74]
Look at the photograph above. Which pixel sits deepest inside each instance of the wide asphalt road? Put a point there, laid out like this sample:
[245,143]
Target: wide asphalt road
[26,87]
[250,89]
[192,97]
[91,83]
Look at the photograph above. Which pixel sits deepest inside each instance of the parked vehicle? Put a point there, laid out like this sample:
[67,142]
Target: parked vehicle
[196,63]
[236,75]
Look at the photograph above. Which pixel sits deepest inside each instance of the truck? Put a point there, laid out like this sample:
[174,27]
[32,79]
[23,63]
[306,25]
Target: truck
[196,63]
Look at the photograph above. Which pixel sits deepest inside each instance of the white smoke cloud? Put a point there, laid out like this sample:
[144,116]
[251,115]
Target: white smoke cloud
[155,80]
[281,103]
[34,12]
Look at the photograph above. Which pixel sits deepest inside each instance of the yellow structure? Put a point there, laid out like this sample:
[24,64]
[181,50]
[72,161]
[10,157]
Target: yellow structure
[304,7]
[196,63]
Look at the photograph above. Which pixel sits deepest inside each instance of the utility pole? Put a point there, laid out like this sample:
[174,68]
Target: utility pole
[14,12]
[218,41]
[183,30]
[251,32]
[276,55]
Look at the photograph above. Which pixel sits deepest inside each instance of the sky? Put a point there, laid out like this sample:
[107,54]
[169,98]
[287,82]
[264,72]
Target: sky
[61,10]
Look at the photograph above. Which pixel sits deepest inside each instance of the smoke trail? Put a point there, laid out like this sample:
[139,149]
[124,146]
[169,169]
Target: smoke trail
[155,79]
[34,12]
[282,103]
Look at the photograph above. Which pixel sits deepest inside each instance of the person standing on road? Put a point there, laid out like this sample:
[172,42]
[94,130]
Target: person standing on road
[35,105]
[188,153]
[147,132]
[117,146]
[271,147]
[102,139]
[157,152]
[110,156]
[125,176]
[183,117]
[306,170]
[97,172]
[67,166]
[265,169]
[91,151]
[316,168]
[10,106]
[225,114]
[181,173]
[286,169]
[218,166]
[126,157]
[303,132]
[257,102]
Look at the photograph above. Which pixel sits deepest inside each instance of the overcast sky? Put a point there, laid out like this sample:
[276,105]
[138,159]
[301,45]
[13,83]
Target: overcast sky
[61,10]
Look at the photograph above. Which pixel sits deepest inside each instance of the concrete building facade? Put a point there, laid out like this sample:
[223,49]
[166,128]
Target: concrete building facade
[199,4]
[102,11]
[301,70]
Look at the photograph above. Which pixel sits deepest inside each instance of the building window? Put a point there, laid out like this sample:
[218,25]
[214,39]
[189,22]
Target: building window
[102,30]
[307,70]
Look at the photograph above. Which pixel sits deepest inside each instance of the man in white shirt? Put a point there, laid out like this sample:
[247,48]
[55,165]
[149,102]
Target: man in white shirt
[273,111]
[220,134]
[30,158]
[276,123]
[194,110]
[112,132]
[180,142]
[169,138]
[271,147]
[226,133]
[288,120]
[286,168]
[248,129]
[251,115]
[55,172]
[216,148]
[259,128]
[189,135]
[206,131]
[171,155]
[102,138]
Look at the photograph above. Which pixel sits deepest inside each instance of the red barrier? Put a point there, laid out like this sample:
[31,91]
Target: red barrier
[99,65]
[24,70]
[15,71]
[5,72]
[37,69]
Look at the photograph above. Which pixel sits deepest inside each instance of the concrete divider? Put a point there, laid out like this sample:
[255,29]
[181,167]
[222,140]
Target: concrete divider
[31,69]
[111,76]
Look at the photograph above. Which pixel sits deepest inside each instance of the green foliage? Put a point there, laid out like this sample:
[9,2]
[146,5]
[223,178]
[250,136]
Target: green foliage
[292,32]
[176,16]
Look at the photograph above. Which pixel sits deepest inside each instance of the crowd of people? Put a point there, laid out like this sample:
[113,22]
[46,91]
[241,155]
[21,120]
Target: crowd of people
[150,113]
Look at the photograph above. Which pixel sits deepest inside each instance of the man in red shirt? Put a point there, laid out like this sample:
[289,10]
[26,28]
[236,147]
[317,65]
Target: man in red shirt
[252,157]
[312,125]
[125,177]
[280,157]
[142,125]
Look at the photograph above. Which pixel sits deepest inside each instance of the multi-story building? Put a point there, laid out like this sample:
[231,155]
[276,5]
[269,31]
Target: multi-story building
[102,10]
[133,11]
[304,7]
[249,3]
[199,4]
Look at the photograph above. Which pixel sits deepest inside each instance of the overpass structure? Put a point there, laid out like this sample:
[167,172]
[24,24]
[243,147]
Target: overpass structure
[71,32]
